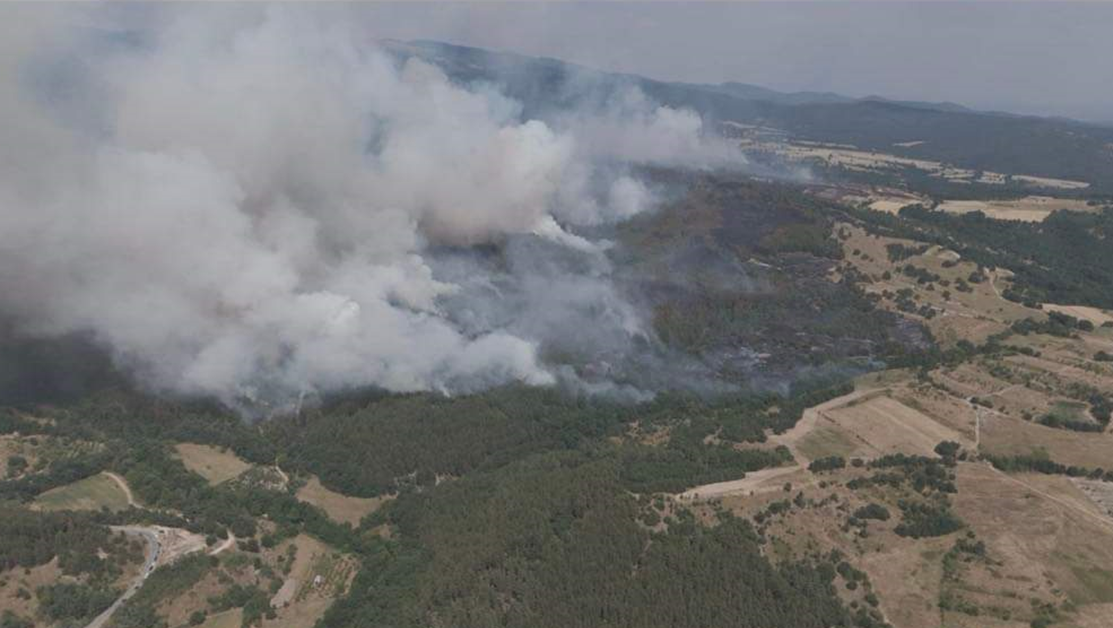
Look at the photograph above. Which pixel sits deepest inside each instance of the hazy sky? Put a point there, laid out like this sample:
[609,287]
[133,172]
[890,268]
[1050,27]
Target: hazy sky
[1054,58]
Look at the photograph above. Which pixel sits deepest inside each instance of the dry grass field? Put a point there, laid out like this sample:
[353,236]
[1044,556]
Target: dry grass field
[1027,209]
[973,315]
[340,507]
[904,572]
[211,463]
[1045,533]
[1003,435]
[884,425]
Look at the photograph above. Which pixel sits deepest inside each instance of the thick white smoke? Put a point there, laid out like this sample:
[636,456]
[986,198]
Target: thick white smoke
[249,211]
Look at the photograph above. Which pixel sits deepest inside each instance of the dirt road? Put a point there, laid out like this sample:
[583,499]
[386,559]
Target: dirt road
[224,545]
[761,481]
[122,483]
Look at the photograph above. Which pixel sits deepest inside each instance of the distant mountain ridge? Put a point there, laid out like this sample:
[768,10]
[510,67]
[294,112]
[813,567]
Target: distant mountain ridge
[945,132]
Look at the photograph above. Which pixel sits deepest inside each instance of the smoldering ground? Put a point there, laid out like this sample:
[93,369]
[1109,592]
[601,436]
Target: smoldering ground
[257,204]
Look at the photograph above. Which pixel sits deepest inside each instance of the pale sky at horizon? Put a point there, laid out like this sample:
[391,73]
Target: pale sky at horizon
[1052,58]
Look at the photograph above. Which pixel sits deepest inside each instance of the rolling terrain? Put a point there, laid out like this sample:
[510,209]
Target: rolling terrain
[878,395]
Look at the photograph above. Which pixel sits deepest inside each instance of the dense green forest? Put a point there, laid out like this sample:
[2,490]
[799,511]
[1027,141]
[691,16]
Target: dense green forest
[553,541]
[541,525]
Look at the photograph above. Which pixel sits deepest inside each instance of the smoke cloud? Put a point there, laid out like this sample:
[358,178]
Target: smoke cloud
[258,209]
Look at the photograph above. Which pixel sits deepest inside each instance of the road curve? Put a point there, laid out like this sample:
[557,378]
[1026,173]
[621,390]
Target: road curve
[154,548]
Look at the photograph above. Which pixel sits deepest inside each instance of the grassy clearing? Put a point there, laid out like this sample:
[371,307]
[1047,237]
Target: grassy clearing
[211,463]
[1095,584]
[1069,411]
[340,507]
[92,493]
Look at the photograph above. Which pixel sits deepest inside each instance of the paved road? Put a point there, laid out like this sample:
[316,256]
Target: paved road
[154,548]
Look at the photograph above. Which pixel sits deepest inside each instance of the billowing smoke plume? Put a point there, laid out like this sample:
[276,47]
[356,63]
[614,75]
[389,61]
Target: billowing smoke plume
[261,209]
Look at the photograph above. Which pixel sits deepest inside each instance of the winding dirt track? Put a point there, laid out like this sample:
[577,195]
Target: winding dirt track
[124,487]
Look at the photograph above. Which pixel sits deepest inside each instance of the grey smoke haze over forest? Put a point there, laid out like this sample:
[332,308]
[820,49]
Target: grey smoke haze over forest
[1042,58]
[253,203]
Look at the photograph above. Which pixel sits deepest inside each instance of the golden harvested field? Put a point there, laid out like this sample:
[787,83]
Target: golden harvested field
[211,463]
[952,412]
[92,493]
[340,507]
[1027,209]
[884,425]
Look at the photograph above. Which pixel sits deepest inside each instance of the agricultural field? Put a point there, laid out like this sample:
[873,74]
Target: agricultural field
[854,159]
[93,493]
[211,463]
[1027,209]
[882,425]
